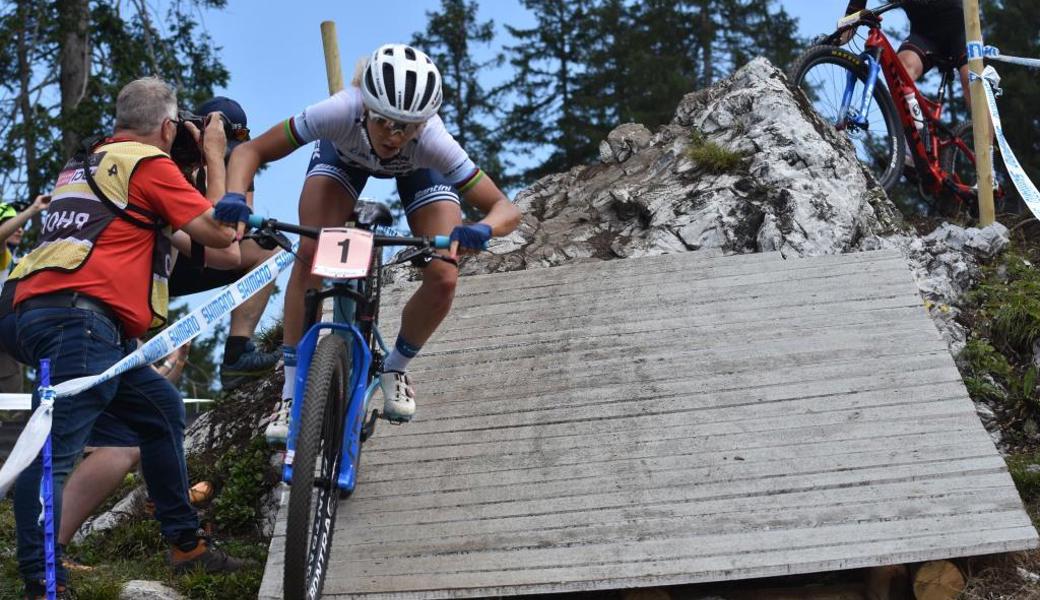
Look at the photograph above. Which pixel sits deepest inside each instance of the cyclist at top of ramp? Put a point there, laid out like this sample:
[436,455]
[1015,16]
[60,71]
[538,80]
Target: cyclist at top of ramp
[936,34]
[385,124]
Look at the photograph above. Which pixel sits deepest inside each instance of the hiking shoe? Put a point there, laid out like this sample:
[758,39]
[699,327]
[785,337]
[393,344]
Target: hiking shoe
[277,430]
[251,364]
[37,590]
[398,396]
[206,556]
[72,565]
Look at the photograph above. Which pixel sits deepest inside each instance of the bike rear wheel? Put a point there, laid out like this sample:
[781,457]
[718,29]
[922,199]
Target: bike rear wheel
[959,162]
[314,497]
[822,73]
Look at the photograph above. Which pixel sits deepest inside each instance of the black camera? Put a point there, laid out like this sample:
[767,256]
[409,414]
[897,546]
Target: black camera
[185,150]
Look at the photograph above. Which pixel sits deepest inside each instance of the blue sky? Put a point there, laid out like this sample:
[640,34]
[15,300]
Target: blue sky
[274,54]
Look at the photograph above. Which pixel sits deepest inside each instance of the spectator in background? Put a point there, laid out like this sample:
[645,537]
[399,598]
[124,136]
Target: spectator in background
[12,226]
[196,272]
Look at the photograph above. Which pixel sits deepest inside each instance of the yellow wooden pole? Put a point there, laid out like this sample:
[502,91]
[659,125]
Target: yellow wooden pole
[332,67]
[980,113]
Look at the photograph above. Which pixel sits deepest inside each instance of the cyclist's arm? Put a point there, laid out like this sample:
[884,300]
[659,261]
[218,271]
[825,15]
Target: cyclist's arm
[273,144]
[499,213]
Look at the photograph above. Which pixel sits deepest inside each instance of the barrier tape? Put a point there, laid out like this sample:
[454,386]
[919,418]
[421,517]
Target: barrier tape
[24,401]
[183,331]
[1026,189]
[993,53]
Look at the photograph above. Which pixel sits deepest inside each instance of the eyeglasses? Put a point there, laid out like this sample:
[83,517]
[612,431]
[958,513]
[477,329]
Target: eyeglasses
[392,126]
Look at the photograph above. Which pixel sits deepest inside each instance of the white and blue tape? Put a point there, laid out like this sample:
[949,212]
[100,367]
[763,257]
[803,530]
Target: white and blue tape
[176,335]
[1026,189]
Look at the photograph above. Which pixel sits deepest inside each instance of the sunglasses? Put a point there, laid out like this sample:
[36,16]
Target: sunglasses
[392,126]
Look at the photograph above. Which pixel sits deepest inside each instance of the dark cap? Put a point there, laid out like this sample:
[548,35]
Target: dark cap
[231,109]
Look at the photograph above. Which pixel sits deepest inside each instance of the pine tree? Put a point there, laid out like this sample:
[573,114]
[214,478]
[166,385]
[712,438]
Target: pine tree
[549,59]
[81,52]
[1013,26]
[589,66]
[469,110]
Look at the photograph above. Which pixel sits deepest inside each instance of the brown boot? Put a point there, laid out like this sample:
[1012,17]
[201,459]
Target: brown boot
[206,555]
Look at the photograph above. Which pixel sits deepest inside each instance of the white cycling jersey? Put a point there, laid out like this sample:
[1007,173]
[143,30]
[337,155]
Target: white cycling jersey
[338,120]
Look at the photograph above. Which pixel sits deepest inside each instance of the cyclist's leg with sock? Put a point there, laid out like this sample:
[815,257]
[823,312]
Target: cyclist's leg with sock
[427,307]
[327,199]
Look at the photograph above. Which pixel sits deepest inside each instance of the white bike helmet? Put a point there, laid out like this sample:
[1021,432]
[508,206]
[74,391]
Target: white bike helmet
[401,83]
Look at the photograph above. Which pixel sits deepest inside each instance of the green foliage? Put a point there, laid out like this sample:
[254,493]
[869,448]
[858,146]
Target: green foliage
[126,41]
[468,106]
[246,480]
[1003,313]
[1025,471]
[203,586]
[711,156]
[588,66]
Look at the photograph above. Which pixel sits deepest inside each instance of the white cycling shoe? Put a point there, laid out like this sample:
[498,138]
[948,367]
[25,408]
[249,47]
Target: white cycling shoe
[398,396]
[277,430]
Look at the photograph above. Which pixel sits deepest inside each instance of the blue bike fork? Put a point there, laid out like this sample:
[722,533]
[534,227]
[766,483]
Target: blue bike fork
[859,115]
[361,361]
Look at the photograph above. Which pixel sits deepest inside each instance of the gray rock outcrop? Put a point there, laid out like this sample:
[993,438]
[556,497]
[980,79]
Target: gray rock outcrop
[148,590]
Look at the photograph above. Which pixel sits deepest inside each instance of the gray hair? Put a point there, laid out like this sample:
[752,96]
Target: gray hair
[143,103]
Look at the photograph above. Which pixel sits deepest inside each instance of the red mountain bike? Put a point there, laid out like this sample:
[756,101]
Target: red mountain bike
[882,122]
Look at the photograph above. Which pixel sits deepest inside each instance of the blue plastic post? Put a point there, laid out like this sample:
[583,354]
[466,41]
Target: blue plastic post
[47,492]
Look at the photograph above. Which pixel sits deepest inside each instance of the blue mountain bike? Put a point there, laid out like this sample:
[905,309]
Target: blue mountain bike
[336,378]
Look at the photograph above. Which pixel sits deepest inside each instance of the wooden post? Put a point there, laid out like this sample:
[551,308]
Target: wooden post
[332,67]
[980,114]
[938,580]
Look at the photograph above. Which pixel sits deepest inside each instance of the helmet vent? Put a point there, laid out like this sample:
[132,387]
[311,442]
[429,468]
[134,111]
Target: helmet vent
[371,85]
[431,83]
[388,81]
[409,53]
[409,88]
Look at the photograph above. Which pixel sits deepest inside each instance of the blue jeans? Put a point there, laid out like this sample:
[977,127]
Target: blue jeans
[80,342]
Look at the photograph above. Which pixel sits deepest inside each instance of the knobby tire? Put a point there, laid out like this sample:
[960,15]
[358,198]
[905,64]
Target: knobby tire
[312,511]
[889,174]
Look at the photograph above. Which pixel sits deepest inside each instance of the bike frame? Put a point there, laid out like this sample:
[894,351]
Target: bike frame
[881,57]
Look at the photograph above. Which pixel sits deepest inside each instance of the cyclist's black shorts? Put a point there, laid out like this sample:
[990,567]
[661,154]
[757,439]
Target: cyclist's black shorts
[937,34]
[190,274]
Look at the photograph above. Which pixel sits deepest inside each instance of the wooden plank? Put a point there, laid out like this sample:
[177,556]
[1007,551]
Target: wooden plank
[671,420]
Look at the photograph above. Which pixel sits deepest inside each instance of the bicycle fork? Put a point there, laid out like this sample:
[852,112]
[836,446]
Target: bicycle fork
[361,362]
[857,116]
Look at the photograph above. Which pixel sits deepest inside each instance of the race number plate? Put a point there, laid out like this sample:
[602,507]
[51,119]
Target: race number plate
[343,253]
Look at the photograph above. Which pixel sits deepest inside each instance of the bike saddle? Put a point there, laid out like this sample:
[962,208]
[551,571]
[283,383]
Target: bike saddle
[372,214]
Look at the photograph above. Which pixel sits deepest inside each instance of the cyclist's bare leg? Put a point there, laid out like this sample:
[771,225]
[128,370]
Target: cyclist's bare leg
[912,63]
[323,203]
[95,478]
[432,301]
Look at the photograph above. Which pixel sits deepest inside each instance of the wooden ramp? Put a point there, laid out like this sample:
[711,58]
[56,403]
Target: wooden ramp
[672,420]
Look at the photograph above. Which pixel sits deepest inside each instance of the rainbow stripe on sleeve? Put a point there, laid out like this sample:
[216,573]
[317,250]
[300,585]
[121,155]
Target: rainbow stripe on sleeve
[290,133]
[467,184]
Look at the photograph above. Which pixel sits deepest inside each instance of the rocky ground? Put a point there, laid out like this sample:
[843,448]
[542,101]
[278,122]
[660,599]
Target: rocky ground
[742,167]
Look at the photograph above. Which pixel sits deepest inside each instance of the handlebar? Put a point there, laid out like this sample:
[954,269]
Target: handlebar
[439,242]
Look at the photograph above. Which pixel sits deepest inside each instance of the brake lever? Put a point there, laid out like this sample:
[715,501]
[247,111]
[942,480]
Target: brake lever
[269,239]
[420,257]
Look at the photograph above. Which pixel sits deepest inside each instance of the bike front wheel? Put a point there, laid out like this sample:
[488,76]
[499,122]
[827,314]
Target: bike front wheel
[314,497]
[822,74]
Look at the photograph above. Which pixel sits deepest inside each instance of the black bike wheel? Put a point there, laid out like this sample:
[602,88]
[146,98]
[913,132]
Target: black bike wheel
[314,497]
[955,161]
[822,74]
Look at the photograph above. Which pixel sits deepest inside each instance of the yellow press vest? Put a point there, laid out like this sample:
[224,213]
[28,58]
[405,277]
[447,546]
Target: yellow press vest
[79,212]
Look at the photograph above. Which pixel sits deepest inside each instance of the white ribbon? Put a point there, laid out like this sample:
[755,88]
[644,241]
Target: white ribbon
[1025,187]
[183,331]
[993,53]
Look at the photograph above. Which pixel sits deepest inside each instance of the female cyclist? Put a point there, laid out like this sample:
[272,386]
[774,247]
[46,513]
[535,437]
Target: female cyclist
[384,125]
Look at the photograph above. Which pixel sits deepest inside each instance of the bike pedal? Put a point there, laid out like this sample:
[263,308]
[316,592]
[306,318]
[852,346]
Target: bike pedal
[370,426]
